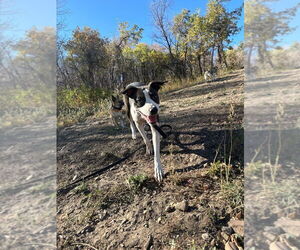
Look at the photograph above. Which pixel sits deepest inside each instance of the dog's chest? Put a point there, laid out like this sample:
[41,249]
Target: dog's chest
[134,112]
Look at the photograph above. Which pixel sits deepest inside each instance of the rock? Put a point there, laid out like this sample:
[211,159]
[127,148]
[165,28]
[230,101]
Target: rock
[182,206]
[237,226]
[132,244]
[149,242]
[205,236]
[85,199]
[86,229]
[249,243]
[278,246]
[225,236]
[159,220]
[124,221]
[293,215]
[227,230]
[269,236]
[170,209]
[239,215]
[273,230]
[106,235]
[289,226]
[213,242]
[103,216]
[231,246]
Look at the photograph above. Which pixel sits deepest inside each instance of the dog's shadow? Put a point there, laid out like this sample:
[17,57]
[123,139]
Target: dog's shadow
[211,145]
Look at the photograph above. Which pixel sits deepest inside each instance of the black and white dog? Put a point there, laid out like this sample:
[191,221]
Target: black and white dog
[142,106]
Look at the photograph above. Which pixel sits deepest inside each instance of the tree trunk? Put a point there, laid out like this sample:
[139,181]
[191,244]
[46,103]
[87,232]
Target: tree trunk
[261,55]
[268,56]
[220,58]
[212,58]
[199,64]
[248,65]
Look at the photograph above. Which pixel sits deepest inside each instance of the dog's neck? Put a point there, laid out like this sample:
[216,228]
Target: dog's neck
[116,108]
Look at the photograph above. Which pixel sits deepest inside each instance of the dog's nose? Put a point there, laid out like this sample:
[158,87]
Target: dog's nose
[154,111]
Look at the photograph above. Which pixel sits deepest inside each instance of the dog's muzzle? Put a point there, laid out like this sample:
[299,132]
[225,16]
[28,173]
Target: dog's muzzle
[151,119]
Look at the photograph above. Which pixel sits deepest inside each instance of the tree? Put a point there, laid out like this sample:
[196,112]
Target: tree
[221,25]
[180,28]
[263,27]
[145,63]
[86,56]
[128,37]
[164,35]
[35,58]
[199,39]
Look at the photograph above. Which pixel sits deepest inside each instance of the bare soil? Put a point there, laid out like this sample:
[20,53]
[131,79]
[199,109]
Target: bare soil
[28,186]
[272,142]
[188,210]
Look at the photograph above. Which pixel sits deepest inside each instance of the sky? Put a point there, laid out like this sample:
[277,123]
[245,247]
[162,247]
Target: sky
[21,15]
[104,15]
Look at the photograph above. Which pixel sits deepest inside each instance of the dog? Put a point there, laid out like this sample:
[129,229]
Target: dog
[208,76]
[142,106]
[116,112]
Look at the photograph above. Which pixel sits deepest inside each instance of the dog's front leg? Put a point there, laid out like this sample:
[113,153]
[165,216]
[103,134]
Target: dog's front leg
[158,170]
[122,122]
[132,127]
[140,127]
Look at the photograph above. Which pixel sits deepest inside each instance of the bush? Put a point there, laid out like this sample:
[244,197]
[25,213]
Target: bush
[76,104]
[23,106]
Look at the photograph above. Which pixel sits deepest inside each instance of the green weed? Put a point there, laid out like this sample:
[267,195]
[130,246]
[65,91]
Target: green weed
[137,182]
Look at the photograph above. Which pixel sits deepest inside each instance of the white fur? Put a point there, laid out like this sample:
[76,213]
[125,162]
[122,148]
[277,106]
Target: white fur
[139,122]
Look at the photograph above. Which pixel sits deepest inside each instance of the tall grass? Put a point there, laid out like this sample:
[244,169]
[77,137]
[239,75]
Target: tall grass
[20,106]
[76,104]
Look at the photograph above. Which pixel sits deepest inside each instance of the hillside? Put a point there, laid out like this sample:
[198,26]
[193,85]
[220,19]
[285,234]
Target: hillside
[125,208]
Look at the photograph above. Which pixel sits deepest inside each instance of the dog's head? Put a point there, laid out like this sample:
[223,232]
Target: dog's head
[146,100]
[116,103]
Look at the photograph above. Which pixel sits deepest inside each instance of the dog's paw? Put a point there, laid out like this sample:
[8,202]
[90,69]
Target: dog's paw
[149,150]
[159,173]
[134,136]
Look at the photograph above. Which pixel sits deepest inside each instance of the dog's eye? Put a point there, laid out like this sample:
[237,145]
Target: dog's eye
[140,101]
[154,97]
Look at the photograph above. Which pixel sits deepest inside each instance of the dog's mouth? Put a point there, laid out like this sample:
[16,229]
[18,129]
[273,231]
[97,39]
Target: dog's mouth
[150,118]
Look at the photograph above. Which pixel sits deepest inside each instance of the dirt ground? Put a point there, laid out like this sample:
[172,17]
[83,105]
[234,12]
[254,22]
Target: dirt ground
[272,142]
[124,208]
[28,186]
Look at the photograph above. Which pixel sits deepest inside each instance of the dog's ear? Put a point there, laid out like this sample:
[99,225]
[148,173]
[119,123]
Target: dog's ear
[113,98]
[156,85]
[130,92]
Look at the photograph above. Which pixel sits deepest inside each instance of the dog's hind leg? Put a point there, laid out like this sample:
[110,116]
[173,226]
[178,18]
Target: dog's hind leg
[140,127]
[158,170]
